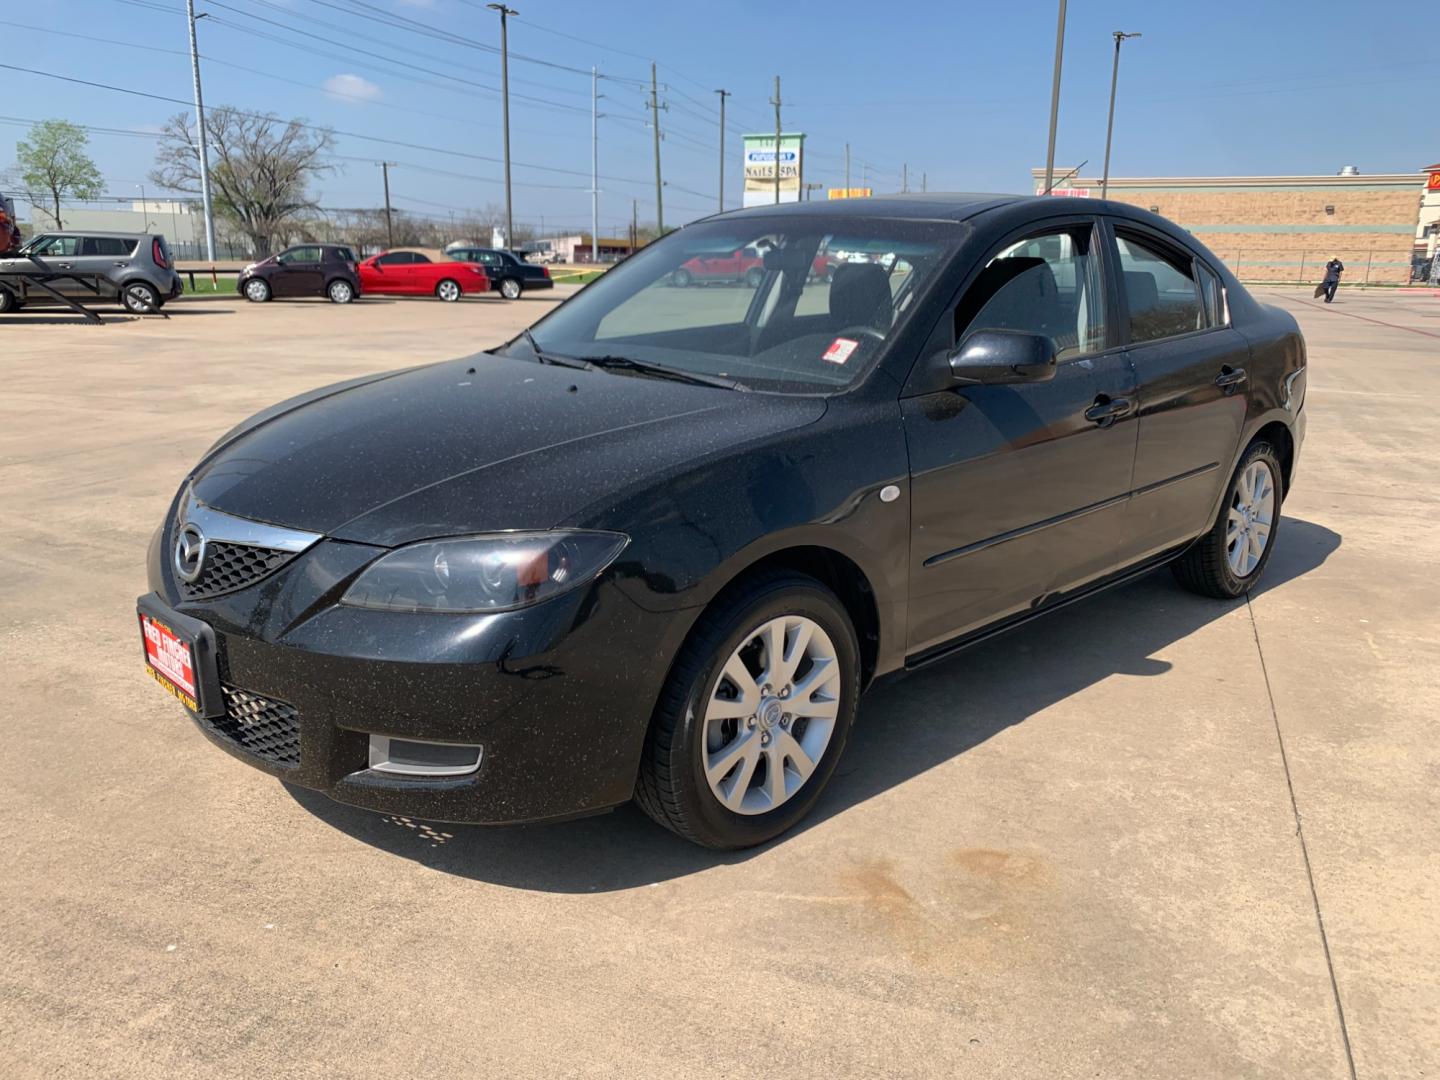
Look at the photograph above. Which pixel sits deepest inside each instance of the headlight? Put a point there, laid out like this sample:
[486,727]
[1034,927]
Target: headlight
[500,572]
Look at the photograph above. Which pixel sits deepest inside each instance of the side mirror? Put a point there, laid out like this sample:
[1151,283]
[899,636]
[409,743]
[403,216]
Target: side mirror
[1003,356]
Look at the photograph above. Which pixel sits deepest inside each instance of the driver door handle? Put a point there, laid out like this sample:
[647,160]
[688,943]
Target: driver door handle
[62,266]
[1107,410]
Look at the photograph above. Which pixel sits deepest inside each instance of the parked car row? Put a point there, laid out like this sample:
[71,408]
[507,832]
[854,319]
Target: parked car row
[332,270]
[134,268]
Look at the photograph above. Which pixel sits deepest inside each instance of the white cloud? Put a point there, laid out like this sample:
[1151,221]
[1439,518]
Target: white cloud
[351,88]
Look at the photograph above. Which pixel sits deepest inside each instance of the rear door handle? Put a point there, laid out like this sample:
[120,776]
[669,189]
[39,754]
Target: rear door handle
[1107,410]
[62,266]
[1229,378]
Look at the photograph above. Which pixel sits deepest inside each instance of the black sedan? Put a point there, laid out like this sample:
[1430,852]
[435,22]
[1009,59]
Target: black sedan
[512,275]
[656,548]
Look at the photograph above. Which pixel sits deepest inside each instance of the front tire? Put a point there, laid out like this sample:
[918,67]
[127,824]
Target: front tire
[754,716]
[754,276]
[139,298]
[681,278]
[510,289]
[257,291]
[1228,560]
[9,302]
[448,290]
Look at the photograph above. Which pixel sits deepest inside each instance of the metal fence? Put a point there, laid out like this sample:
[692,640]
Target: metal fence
[1306,266]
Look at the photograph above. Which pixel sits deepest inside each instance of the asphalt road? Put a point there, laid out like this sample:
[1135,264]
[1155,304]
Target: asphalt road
[1073,851]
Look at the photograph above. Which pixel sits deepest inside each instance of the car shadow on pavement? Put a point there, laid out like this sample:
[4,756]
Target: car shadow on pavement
[26,318]
[978,693]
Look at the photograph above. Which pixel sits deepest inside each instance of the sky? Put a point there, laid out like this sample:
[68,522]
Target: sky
[958,93]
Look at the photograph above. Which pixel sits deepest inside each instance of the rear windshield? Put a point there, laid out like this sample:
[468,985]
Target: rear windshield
[790,305]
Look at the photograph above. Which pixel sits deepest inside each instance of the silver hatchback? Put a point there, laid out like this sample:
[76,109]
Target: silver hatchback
[134,268]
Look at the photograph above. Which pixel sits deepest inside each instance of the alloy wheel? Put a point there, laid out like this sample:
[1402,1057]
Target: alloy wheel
[139,299]
[510,289]
[770,714]
[341,292]
[448,291]
[1251,519]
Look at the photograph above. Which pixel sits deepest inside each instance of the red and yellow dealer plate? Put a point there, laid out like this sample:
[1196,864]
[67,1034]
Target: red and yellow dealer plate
[170,660]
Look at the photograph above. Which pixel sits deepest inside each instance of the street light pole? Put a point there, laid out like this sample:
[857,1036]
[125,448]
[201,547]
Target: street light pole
[1120,36]
[723,95]
[204,141]
[505,13]
[594,166]
[1055,100]
[389,225]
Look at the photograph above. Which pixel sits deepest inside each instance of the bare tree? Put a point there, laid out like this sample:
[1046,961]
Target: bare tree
[260,168]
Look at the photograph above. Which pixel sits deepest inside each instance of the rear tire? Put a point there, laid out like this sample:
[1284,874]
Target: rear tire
[9,302]
[510,289]
[684,735]
[340,291]
[139,298]
[681,278]
[1223,563]
[257,290]
[754,276]
[448,290]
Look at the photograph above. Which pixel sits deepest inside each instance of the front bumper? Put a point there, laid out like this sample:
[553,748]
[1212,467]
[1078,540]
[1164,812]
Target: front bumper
[559,695]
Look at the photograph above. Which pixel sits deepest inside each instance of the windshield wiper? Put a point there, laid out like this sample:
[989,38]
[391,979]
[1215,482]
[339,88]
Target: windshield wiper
[662,371]
[550,358]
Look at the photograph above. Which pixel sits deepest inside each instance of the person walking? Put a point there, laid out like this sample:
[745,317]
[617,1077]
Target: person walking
[1333,269]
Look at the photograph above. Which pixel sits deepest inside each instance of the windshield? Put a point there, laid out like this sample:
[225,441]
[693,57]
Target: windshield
[787,305]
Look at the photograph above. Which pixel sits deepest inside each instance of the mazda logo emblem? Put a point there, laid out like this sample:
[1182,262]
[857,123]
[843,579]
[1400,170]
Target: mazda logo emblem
[189,552]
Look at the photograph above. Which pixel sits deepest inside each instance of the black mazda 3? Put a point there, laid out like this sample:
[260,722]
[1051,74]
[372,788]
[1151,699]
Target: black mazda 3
[656,547]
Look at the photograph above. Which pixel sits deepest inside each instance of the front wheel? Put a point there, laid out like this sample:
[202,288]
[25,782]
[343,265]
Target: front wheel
[754,276]
[1228,560]
[340,291]
[257,290]
[510,289]
[754,716]
[681,278]
[448,290]
[9,302]
[140,298]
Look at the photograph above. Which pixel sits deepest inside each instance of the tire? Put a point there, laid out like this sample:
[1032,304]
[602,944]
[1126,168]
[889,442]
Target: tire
[681,278]
[754,276]
[9,302]
[257,290]
[673,787]
[448,290]
[1209,566]
[510,289]
[139,298]
[340,291]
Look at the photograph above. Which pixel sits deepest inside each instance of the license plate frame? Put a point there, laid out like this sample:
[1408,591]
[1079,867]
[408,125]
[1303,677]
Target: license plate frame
[179,653]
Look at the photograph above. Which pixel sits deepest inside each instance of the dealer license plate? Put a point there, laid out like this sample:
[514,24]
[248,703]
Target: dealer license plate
[170,659]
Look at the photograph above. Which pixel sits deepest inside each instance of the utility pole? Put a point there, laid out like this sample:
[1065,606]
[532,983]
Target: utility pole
[505,13]
[723,95]
[389,225]
[659,194]
[776,102]
[905,178]
[634,225]
[847,170]
[1055,100]
[204,139]
[594,165]
[1120,36]
[924,187]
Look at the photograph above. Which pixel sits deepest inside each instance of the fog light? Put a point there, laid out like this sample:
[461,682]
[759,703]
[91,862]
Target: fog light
[410,757]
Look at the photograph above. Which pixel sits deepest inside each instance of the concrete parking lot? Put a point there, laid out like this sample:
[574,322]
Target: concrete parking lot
[1153,836]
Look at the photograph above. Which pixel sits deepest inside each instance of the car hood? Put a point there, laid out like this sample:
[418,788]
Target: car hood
[477,445]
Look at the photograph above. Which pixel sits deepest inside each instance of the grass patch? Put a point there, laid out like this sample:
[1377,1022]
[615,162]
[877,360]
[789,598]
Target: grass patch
[204,286]
[577,277]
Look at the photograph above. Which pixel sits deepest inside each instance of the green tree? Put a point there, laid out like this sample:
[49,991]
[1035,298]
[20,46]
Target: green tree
[53,160]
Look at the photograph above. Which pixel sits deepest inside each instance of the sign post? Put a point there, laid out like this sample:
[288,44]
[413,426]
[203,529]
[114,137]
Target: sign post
[762,186]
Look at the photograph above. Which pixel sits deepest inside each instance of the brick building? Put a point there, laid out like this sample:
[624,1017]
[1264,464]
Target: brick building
[1284,228]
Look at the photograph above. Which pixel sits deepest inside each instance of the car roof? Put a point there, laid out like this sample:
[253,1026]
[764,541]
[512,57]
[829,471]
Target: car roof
[935,206]
[94,232]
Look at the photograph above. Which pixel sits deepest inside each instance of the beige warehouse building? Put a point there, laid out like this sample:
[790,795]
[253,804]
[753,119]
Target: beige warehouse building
[1283,228]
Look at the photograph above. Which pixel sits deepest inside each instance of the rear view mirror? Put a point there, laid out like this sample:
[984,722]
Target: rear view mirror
[1003,356]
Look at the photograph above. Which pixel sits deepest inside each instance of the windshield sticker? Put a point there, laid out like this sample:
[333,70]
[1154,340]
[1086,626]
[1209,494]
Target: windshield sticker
[840,350]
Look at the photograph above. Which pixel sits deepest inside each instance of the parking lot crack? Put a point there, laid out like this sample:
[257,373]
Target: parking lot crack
[1304,848]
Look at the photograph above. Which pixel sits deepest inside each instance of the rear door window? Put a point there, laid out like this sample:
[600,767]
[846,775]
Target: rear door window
[107,245]
[1161,292]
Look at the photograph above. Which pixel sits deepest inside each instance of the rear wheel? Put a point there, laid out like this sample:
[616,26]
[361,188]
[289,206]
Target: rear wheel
[257,290]
[754,716]
[9,302]
[510,289]
[1228,560]
[681,278]
[754,276]
[448,290]
[340,291]
[139,298]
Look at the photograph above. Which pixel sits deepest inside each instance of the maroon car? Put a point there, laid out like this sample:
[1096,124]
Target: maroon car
[303,270]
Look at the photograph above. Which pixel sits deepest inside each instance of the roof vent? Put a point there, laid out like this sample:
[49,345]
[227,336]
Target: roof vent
[1348,170]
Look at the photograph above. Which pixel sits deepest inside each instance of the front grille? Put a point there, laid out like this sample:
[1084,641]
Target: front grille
[233,566]
[259,725]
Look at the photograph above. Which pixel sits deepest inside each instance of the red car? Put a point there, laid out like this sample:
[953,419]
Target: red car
[412,273]
[743,264]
